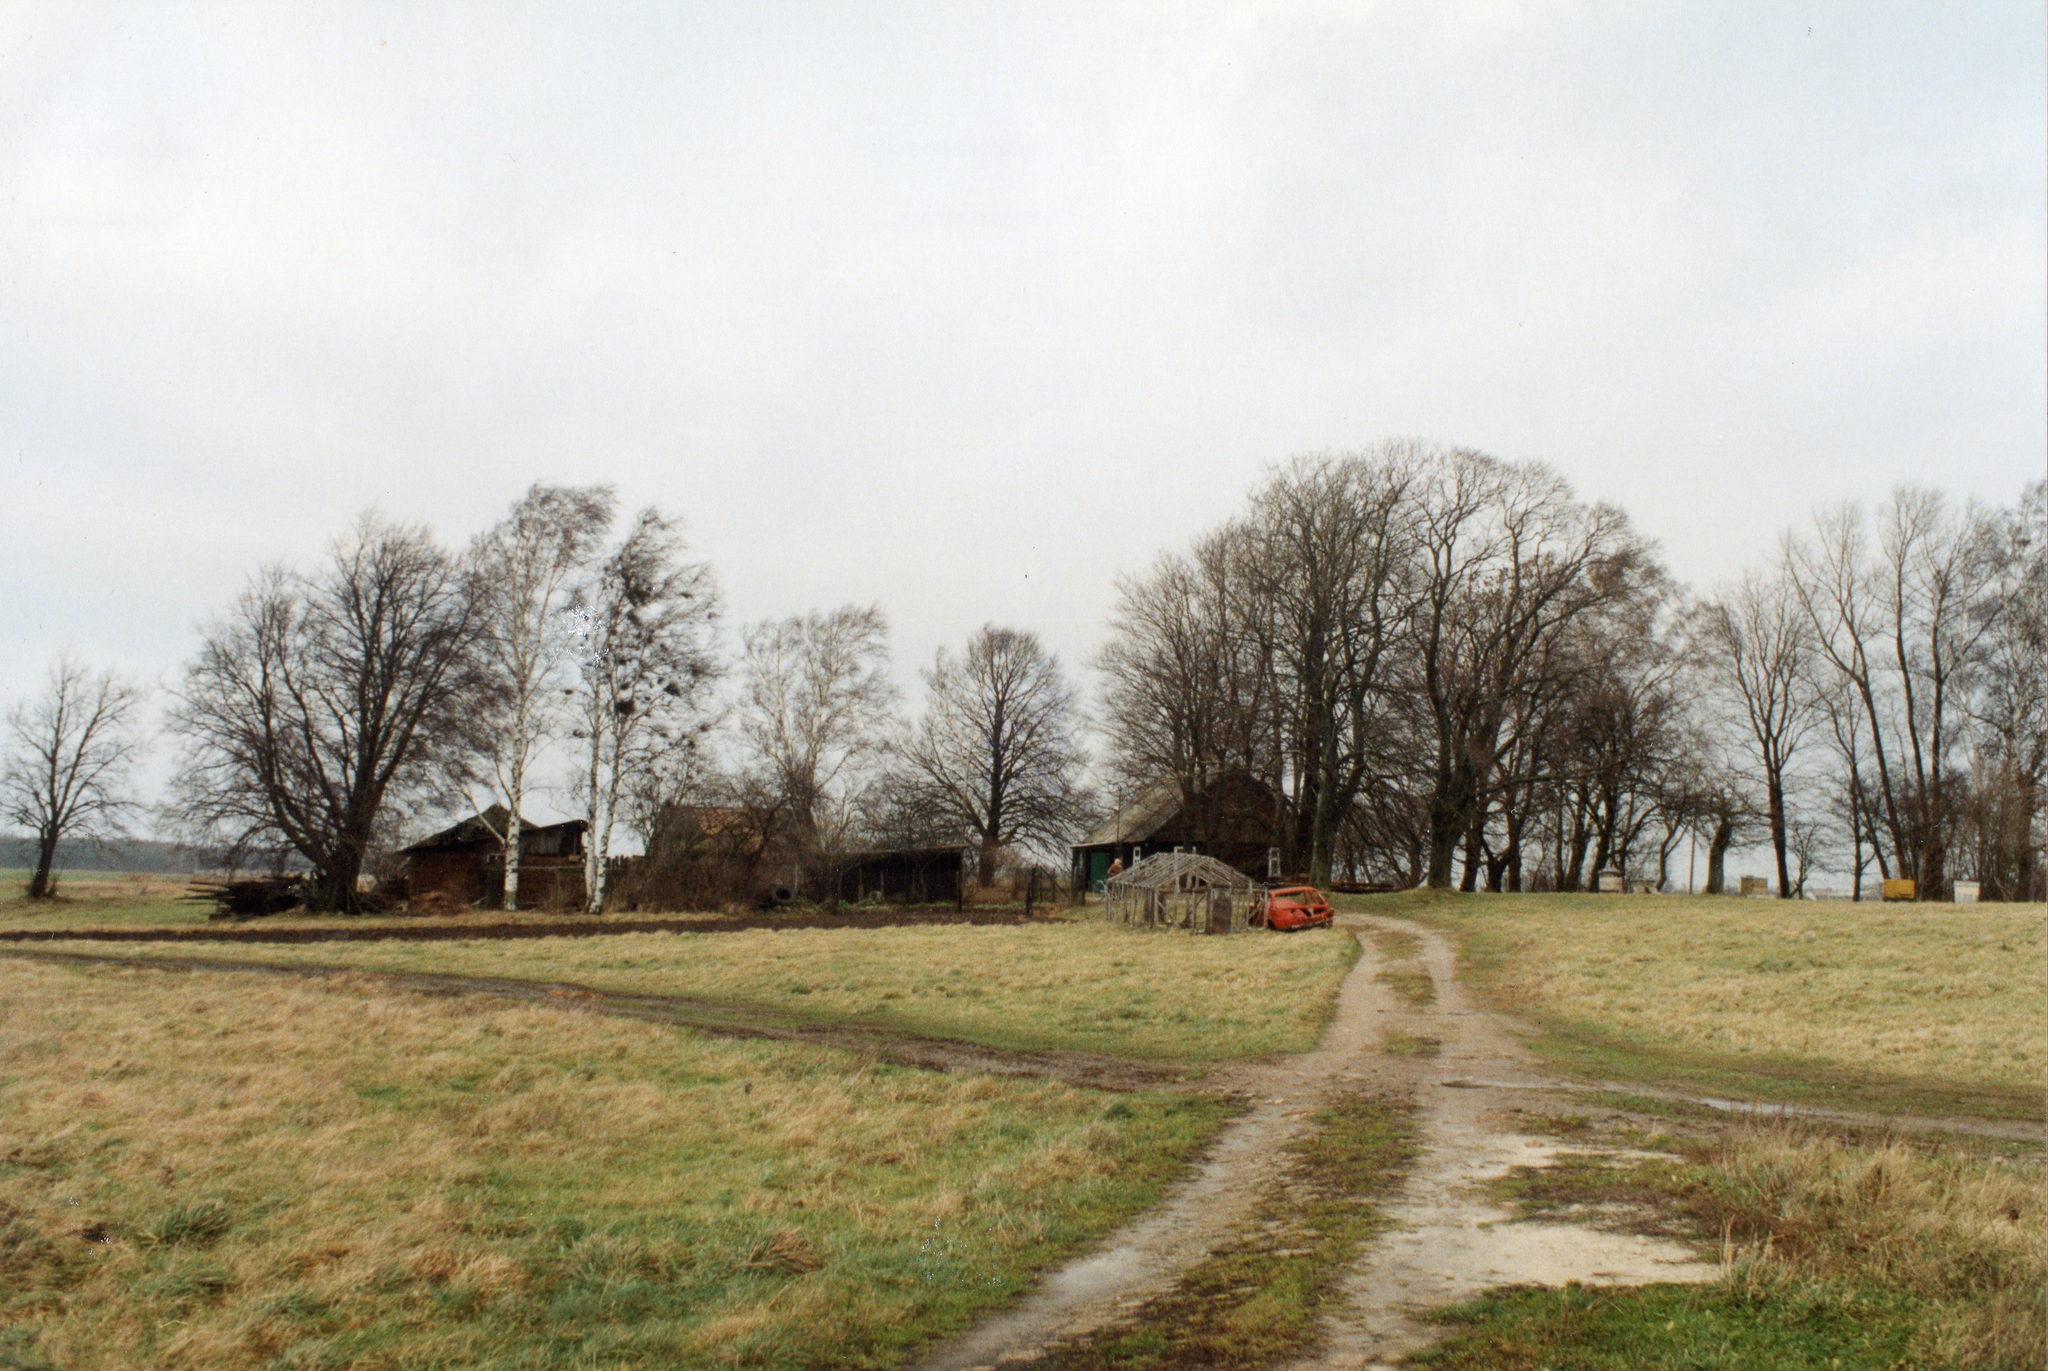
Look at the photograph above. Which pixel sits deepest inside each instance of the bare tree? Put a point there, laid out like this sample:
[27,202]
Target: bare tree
[2011,707]
[646,662]
[1761,643]
[1507,561]
[1187,695]
[67,766]
[318,699]
[1904,624]
[1324,556]
[817,707]
[998,750]
[526,568]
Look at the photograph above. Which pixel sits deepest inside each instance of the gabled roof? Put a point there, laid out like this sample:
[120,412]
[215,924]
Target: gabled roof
[1140,819]
[1161,803]
[484,828]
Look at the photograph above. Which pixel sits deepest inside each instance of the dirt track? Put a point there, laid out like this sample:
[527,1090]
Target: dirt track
[1450,1242]
[709,1016]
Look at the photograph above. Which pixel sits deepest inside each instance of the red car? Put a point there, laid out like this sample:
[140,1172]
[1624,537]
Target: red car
[1293,907]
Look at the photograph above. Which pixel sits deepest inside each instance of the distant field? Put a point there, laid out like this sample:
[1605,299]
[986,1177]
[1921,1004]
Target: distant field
[1908,1006]
[218,1171]
[1079,986]
[101,899]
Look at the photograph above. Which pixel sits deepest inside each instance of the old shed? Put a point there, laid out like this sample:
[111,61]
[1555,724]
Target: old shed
[466,863]
[1181,890]
[909,875]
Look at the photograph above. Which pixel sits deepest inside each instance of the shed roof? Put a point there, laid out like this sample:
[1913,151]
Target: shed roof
[484,828]
[1140,819]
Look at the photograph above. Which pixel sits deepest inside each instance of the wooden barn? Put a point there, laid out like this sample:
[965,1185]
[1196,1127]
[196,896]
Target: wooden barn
[466,863]
[1234,819]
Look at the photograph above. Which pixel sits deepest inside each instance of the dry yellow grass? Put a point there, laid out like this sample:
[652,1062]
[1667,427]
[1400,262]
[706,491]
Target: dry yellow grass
[1938,993]
[1080,986]
[1968,1236]
[213,1171]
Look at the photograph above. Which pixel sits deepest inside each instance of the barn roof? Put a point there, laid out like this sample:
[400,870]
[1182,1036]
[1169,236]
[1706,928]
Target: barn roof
[1140,819]
[483,828]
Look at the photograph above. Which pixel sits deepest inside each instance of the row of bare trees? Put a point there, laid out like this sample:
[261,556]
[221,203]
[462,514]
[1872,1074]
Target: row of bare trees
[1452,671]
[1889,674]
[1449,668]
[328,709]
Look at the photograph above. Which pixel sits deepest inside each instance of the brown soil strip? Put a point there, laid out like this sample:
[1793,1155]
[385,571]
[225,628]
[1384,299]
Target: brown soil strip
[567,928]
[1092,1070]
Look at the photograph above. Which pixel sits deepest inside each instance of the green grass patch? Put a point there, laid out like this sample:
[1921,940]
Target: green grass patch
[1258,1301]
[1403,971]
[1410,1045]
[1680,1328]
[1839,1250]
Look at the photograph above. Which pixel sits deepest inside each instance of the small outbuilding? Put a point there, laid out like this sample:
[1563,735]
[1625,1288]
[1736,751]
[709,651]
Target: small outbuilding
[1181,890]
[905,875]
[466,863]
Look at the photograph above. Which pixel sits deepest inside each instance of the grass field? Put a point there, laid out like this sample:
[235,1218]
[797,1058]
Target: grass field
[1076,986]
[213,1171]
[1899,1008]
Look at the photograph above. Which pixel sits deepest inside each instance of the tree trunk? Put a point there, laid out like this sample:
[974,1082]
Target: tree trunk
[1778,836]
[512,838]
[1717,854]
[335,885]
[1475,859]
[40,885]
[600,834]
[1444,832]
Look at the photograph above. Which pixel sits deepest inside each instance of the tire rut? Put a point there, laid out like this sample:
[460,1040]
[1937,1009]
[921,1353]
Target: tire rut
[1092,1070]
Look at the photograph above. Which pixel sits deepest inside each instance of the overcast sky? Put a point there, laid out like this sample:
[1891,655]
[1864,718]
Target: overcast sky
[964,308]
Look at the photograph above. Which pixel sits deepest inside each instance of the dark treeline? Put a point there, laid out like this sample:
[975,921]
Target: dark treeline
[1447,667]
[1455,672]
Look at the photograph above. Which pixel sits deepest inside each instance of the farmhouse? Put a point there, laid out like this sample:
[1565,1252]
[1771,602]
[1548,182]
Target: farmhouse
[1234,819]
[466,863]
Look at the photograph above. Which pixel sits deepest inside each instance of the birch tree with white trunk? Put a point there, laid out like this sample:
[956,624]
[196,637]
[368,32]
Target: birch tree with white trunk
[527,567]
[647,667]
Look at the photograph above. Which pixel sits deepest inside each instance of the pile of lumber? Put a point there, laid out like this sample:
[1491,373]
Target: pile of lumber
[251,897]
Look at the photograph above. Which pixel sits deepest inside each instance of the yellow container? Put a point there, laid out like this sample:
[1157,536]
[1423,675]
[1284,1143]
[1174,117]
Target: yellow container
[1898,890]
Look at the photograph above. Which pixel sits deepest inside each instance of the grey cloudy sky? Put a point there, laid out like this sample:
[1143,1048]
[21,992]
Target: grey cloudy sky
[964,308]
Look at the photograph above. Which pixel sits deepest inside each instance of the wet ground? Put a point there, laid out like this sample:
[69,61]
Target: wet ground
[1449,1240]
